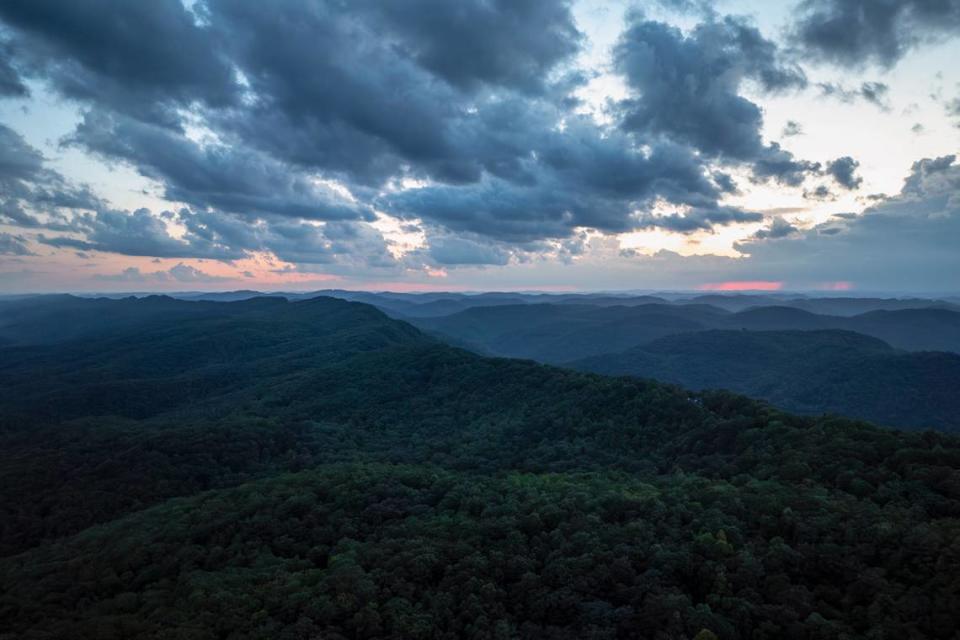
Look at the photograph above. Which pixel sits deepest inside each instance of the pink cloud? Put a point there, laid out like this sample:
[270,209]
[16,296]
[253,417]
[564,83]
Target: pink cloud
[839,285]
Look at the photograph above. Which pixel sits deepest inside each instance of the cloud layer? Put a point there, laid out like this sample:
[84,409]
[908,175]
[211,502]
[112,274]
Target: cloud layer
[320,136]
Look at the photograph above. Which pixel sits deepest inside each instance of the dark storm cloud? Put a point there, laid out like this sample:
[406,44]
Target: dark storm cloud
[220,176]
[386,87]
[688,88]
[580,178]
[237,108]
[726,183]
[364,92]
[11,84]
[857,32]
[843,170]
[140,58]
[29,190]
[511,43]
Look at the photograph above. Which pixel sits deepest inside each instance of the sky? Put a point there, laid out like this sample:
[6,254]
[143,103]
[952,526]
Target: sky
[594,145]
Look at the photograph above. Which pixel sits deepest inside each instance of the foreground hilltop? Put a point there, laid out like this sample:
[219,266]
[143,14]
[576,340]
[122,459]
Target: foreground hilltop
[275,469]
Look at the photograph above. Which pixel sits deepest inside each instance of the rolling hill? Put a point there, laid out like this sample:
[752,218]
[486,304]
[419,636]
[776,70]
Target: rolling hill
[807,372]
[274,469]
[561,333]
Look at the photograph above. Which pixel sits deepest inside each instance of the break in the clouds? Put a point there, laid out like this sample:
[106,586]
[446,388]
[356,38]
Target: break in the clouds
[430,141]
[907,238]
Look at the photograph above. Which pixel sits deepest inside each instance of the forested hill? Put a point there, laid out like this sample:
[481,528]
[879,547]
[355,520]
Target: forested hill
[809,372]
[560,333]
[268,469]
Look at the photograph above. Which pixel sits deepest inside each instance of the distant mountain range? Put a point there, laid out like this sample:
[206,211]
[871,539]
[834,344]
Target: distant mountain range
[560,333]
[871,365]
[432,304]
[812,372]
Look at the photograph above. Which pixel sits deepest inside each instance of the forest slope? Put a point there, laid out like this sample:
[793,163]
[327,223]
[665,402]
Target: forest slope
[807,372]
[290,470]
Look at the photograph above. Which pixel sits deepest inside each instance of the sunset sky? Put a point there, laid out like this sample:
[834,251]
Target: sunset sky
[479,145]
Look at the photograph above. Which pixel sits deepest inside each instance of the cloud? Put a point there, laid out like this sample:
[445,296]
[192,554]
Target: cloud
[698,219]
[779,228]
[452,250]
[687,87]
[932,174]
[32,195]
[792,128]
[11,245]
[387,87]
[511,43]
[872,92]
[289,128]
[11,84]
[463,96]
[843,170]
[858,32]
[903,240]
[217,236]
[953,109]
[580,178]
[181,273]
[339,245]
[143,59]
[138,233]
[213,175]
[821,192]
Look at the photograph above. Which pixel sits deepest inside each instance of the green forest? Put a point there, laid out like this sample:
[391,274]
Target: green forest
[811,372]
[293,470]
